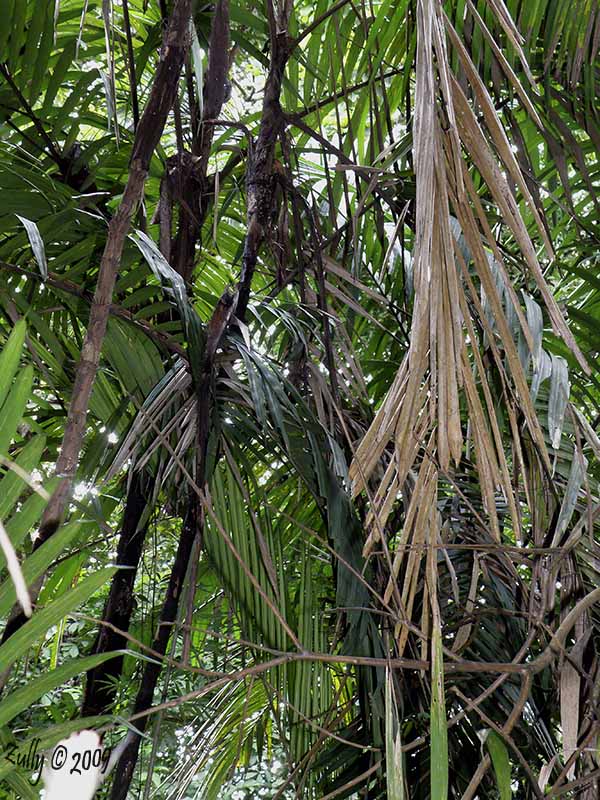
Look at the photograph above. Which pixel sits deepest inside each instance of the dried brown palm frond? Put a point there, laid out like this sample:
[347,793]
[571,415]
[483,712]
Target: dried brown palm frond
[442,379]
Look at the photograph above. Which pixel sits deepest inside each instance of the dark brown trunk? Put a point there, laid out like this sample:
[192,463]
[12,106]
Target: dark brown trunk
[260,204]
[148,133]
[191,188]
[100,688]
[260,178]
[128,760]
[192,526]
[147,137]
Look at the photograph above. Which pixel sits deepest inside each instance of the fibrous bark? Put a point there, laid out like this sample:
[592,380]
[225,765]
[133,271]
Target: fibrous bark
[187,186]
[261,179]
[185,182]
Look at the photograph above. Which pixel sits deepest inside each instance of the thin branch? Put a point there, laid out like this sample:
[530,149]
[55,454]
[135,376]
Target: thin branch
[52,150]
[507,738]
[318,21]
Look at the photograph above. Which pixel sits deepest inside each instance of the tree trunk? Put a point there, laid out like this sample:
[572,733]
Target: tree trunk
[128,760]
[100,687]
[260,202]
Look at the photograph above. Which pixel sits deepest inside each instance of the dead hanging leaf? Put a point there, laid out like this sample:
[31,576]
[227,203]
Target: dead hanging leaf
[576,478]
[560,389]
[496,131]
[464,302]
[337,269]
[481,264]
[476,145]
[378,436]
[508,70]
[198,64]
[588,432]
[436,335]
[412,537]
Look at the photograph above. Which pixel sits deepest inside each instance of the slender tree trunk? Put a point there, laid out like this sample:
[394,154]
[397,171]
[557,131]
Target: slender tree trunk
[260,178]
[148,133]
[128,760]
[192,183]
[260,203]
[147,137]
[100,687]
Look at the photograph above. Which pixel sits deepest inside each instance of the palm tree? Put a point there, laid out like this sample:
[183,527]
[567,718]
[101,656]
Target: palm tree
[298,394]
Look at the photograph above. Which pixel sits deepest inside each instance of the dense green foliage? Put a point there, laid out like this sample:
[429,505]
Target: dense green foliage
[389,462]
